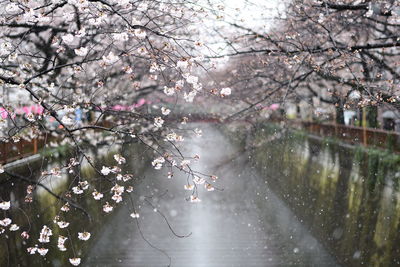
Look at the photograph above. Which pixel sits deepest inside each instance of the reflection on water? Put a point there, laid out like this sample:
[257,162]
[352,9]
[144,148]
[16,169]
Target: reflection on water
[246,224]
[348,197]
[42,210]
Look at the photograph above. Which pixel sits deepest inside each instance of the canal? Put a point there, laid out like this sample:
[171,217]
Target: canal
[291,200]
[246,224]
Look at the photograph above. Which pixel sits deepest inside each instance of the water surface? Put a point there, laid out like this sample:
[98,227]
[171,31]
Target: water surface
[246,224]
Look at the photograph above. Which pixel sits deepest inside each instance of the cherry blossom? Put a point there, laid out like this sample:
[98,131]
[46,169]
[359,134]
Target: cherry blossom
[134,215]
[169,90]
[45,234]
[209,187]
[75,261]
[194,199]
[65,207]
[68,39]
[158,122]
[63,224]
[107,208]
[84,236]
[5,222]
[158,163]
[60,243]
[81,51]
[225,91]
[14,227]
[120,159]
[189,187]
[77,190]
[32,250]
[97,195]
[5,205]
[105,170]
[42,251]
[165,111]
[25,235]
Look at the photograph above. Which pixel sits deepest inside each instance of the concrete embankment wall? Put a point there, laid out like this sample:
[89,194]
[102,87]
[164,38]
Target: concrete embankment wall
[347,196]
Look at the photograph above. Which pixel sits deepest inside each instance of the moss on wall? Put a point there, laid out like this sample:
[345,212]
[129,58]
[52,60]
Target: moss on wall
[339,191]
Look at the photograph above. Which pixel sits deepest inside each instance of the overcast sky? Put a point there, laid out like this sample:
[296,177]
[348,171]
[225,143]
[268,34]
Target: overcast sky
[255,14]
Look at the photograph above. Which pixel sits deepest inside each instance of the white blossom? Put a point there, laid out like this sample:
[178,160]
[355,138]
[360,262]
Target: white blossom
[97,195]
[134,215]
[185,162]
[165,111]
[117,189]
[77,190]
[158,163]
[198,132]
[192,79]
[25,235]
[194,199]
[117,198]
[158,122]
[110,59]
[198,180]
[84,185]
[63,224]
[14,227]
[45,234]
[355,95]
[68,39]
[209,187]
[121,37]
[75,261]
[169,90]
[107,208]
[105,170]
[84,236]
[225,91]
[61,241]
[42,251]
[189,96]
[183,64]
[67,121]
[142,6]
[65,207]
[120,159]
[188,187]
[81,51]
[12,8]
[5,205]
[5,222]
[31,250]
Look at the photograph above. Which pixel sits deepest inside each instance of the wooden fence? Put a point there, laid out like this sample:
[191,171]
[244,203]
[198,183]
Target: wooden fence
[10,151]
[356,135]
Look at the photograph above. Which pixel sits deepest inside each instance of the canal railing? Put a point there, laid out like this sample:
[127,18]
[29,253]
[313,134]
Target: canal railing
[11,151]
[356,135]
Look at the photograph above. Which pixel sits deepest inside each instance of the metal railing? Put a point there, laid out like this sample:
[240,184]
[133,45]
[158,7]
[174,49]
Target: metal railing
[11,151]
[356,135]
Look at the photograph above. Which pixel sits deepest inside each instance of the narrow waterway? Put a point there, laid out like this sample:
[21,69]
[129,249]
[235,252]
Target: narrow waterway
[246,224]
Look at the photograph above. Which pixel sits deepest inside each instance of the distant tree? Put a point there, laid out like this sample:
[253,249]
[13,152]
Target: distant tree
[342,53]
